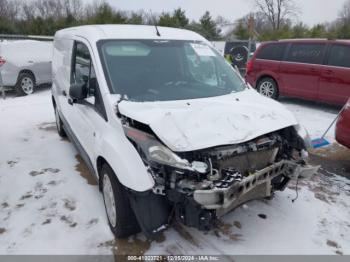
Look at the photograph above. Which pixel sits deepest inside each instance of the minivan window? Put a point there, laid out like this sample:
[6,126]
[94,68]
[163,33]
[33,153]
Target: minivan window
[83,71]
[272,52]
[163,70]
[339,56]
[306,53]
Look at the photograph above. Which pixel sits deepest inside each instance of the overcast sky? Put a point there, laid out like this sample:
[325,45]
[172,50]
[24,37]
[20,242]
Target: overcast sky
[313,11]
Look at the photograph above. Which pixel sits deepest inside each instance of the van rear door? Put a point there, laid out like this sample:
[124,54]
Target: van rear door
[335,77]
[301,70]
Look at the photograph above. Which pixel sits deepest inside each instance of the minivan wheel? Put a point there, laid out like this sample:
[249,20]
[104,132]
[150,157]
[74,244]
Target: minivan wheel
[25,84]
[268,87]
[59,124]
[121,217]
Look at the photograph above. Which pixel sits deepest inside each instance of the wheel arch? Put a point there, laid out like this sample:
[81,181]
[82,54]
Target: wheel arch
[27,71]
[100,161]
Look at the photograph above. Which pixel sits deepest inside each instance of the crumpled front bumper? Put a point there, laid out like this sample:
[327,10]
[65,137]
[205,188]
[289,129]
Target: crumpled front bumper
[255,186]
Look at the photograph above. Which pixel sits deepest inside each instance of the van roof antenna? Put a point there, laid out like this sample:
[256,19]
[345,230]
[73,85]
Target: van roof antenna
[155,23]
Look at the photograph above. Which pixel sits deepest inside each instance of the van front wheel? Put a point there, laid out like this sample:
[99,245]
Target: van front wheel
[25,84]
[268,87]
[121,217]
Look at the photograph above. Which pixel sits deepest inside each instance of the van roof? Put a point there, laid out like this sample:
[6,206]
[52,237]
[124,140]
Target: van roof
[311,40]
[94,33]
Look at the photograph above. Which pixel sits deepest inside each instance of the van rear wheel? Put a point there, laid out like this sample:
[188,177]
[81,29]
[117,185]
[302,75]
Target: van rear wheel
[121,218]
[268,87]
[25,84]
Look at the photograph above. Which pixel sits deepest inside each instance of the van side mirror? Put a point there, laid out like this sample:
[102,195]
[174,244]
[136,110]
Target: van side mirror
[78,92]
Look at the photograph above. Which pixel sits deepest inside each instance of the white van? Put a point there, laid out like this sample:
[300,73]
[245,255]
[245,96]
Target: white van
[168,128]
[25,64]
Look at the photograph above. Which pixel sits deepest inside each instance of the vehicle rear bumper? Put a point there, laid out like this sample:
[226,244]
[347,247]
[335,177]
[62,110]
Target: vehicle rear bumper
[257,185]
[342,133]
[8,78]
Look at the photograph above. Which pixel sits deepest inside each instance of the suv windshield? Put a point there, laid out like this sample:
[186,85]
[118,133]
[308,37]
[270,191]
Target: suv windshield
[158,70]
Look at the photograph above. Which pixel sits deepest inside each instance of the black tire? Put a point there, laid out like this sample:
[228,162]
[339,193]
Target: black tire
[268,87]
[23,78]
[126,223]
[59,124]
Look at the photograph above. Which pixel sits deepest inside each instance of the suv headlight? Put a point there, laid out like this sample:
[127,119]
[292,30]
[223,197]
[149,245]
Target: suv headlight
[156,152]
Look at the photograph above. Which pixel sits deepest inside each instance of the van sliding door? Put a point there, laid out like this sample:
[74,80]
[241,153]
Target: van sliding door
[301,70]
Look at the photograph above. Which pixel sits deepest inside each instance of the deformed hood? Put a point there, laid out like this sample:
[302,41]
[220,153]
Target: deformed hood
[190,125]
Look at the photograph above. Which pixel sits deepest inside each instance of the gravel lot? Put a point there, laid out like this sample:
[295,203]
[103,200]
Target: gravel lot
[50,204]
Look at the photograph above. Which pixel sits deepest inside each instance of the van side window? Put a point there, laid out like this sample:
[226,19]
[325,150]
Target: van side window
[339,56]
[306,53]
[83,72]
[272,52]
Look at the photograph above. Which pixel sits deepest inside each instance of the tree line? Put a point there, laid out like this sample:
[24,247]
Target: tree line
[45,17]
[272,19]
[278,19]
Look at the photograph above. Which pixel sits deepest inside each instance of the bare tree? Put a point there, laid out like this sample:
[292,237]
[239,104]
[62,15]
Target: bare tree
[9,9]
[277,11]
[344,14]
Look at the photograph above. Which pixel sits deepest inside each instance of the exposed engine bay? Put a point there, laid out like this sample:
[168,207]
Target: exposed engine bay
[199,186]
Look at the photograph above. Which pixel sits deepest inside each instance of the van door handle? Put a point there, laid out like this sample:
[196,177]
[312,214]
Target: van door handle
[313,70]
[64,93]
[329,72]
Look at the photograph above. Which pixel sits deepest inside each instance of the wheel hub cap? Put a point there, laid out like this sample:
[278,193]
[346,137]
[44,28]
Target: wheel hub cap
[108,196]
[267,89]
[27,85]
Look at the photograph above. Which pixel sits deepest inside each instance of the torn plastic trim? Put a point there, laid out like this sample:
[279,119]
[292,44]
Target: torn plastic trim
[223,198]
[155,151]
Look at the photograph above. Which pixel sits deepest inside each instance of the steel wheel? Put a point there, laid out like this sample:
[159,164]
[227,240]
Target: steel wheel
[27,85]
[108,197]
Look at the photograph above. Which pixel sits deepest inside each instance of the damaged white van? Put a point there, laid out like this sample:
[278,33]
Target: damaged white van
[168,128]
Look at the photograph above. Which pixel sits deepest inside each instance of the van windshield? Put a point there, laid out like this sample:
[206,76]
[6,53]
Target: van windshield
[159,70]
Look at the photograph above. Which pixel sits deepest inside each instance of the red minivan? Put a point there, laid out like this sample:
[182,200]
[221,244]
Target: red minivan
[313,69]
[342,131]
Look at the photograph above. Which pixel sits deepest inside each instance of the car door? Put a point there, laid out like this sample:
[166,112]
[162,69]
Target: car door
[88,118]
[335,77]
[301,69]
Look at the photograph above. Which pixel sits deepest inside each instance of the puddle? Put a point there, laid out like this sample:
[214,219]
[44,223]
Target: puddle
[84,171]
[48,126]
[333,159]
[129,246]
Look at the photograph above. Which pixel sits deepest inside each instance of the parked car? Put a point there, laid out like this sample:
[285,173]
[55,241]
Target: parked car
[317,70]
[25,64]
[342,131]
[168,128]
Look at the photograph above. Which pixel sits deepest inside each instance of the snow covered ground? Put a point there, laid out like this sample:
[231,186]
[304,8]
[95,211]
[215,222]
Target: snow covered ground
[49,204]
